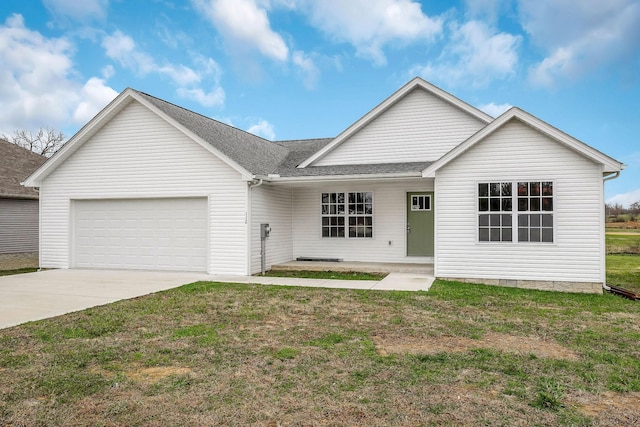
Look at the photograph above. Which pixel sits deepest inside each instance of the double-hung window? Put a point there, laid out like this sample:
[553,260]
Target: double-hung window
[495,217]
[526,206]
[348,214]
[535,211]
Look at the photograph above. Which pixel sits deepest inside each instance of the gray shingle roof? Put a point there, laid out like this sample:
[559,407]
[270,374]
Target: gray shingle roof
[262,157]
[16,164]
[255,154]
[300,150]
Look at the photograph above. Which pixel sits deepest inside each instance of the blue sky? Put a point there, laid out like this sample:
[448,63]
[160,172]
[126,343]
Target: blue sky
[295,69]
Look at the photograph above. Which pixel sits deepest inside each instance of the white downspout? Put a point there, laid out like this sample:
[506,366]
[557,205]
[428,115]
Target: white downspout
[611,176]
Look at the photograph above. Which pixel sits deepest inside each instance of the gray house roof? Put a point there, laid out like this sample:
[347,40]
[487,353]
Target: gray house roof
[16,164]
[299,150]
[262,157]
[257,155]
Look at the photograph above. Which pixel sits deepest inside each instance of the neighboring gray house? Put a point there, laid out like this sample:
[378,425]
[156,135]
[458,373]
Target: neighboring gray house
[18,204]
[422,178]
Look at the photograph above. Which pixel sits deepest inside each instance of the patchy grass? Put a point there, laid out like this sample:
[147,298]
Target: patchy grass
[17,271]
[623,243]
[231,354]
[624,271]
[339,275]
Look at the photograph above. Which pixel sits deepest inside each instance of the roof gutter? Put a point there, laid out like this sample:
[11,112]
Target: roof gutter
[329,178]
[256,182]
[612,175]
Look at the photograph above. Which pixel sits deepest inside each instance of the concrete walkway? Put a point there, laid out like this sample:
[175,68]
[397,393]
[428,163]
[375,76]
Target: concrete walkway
[392,282]
[35,296]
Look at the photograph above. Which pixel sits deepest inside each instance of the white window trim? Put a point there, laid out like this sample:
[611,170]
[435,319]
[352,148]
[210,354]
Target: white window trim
[347,216]
[428,196]
[514,213]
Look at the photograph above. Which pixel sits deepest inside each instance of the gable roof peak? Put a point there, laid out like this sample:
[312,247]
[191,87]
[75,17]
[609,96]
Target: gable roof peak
[413,84]
[514,113]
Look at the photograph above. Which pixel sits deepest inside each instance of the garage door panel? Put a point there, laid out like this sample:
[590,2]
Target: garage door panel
[158,234]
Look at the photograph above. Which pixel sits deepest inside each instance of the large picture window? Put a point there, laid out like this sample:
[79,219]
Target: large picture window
[532,215]
[347,214]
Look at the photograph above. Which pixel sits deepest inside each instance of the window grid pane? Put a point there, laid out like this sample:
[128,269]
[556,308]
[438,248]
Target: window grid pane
[342,211]
[534,206]
[495,197]
[332,214]
[360,215]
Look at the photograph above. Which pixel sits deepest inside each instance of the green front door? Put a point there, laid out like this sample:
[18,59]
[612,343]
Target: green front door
[420,224]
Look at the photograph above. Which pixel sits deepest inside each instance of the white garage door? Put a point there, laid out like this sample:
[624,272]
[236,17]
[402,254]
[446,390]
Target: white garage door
[141,234]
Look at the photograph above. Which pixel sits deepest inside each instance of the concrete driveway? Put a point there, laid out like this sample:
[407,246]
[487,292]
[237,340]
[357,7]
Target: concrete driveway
[35,296]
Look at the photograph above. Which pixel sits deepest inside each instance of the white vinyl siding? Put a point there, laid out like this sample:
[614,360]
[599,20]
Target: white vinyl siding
[517,153]
[389,221]
[18,226]
[271,205]
[419,127]
[139,155]
[149,234]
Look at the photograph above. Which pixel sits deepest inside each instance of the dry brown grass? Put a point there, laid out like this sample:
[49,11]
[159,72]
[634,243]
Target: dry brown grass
[514,344]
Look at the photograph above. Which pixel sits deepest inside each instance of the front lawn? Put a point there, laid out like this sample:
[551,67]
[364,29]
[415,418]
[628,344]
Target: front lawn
[226,354]
[17,271]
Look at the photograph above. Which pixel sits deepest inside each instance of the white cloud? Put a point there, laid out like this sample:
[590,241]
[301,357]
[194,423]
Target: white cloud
[264,129]
[476,54]
[38,84]
[94,96]
[626,199]
[121,47]
[244,24]
[486,10]
[213,98]
[307,69]
[190,81]
[494,110]
[78,10]
[370,25]
[581,36]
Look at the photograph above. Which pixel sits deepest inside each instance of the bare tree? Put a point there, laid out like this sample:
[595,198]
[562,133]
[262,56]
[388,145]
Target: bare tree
[635,207]
[46,142]
[614,209]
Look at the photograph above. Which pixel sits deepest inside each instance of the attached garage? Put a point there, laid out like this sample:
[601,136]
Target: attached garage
[153,234]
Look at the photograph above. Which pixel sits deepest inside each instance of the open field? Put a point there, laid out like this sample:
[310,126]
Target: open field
[623,259]
[623,242]
[223,354]
[628,225]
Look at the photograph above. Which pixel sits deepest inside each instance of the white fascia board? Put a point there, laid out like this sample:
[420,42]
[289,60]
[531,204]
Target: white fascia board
[390,101]
[580,147]
[325,178]
[246,175]
[118,103]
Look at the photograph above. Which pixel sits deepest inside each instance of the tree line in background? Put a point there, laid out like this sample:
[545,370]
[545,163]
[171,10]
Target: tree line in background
[617,213]
[45,141]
